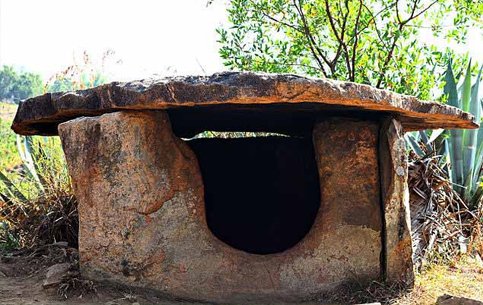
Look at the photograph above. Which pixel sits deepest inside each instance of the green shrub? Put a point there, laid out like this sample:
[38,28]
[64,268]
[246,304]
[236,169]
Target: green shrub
[36,201]
[8,151]
[463,148]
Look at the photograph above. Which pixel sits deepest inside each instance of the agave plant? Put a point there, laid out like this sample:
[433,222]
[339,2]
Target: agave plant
[466,146]
[36,201]
[463,148]
[42,168]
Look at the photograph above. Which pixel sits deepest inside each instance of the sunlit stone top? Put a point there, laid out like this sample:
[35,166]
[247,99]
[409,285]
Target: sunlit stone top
[237,101]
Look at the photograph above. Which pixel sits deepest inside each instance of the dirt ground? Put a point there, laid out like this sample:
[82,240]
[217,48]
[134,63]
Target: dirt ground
[22,275]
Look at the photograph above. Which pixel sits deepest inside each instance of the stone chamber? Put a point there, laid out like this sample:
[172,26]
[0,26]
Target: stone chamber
[316,199]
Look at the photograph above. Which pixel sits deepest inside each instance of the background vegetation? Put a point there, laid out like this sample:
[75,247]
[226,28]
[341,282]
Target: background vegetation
[37,205]
[372,42]
[18,85]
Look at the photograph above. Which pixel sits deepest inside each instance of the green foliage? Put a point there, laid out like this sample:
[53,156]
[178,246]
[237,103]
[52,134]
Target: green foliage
[372,42]
[42,169]
[462,148]
[36,200]
[36,196]
[466,146]
[8,240]
[61,85]
[7,146]
[17,86]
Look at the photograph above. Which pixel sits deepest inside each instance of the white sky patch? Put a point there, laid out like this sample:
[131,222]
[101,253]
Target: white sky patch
[150,37]
[163,37]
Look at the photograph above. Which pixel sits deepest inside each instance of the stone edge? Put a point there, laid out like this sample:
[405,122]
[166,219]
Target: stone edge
[232,88]
[397,258]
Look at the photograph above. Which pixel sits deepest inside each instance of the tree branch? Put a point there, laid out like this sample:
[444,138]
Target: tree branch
[331,20]
[283,23]
[354,47]
[350,69]
[397,13]
[373,19]
[425,9]
[312,43]
[340,39]
[413,16]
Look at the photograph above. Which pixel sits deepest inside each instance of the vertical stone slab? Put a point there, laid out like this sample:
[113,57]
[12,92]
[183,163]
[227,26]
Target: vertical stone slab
[350,212]
[133,180]
[394,174]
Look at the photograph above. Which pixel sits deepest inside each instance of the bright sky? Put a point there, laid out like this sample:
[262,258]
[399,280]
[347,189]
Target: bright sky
[150,37]
[162,37]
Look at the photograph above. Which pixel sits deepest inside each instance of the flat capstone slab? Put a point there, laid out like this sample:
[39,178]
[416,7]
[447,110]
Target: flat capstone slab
[224,101]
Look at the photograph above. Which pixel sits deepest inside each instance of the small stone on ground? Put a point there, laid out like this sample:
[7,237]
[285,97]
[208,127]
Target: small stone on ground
[452,300]
[55,274]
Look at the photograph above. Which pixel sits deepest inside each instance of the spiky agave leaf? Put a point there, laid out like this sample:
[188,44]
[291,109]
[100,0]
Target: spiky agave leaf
[26,152]
[425,140]
[14,193]
[456,153]
[445,160]
[413,143]
[477,111]
[469,136]
[435,134]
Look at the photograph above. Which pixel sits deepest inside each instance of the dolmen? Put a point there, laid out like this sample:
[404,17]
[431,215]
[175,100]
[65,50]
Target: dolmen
[239,187]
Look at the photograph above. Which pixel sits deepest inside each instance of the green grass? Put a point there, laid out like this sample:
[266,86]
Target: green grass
[9,156]
[35,189]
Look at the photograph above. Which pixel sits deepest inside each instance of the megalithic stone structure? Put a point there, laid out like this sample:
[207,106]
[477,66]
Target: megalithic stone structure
[317,199]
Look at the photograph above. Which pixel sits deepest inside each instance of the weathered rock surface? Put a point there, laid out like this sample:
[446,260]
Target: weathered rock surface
[56,274]
[142,214]
[395,194]
[234,91]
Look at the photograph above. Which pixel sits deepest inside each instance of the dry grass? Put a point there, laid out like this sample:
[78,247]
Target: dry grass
[463,278]
[7,111]
[48,219]
[443,226]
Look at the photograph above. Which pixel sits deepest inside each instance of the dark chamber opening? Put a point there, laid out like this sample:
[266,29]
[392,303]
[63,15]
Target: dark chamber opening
[261,194]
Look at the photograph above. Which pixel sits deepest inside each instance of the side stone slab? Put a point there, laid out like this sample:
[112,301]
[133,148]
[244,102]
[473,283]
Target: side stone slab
[132,179]
[398,263]
[142,214]
[346,153]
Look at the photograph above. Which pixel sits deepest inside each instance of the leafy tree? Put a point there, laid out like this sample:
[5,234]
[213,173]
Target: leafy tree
[17,86]
[61,84]
[367,41]
[7,80]
[27,85]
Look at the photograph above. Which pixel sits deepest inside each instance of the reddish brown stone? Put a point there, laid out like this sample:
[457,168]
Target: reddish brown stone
[346,153]
[397,232]
[142,214]
[233,92]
